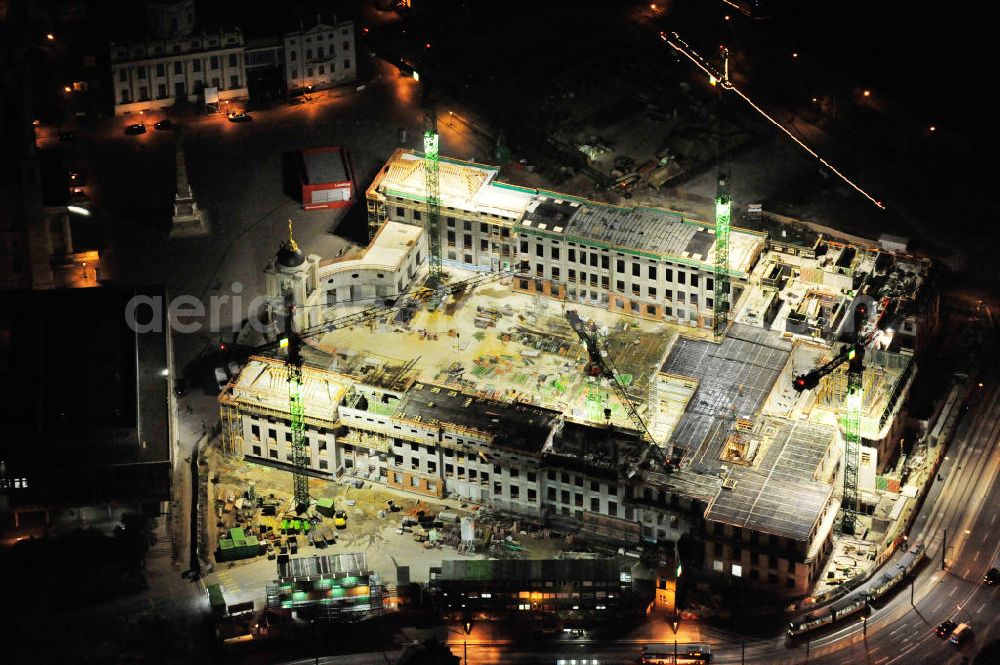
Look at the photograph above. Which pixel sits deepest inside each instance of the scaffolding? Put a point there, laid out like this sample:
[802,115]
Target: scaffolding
[377,216]
[232,428]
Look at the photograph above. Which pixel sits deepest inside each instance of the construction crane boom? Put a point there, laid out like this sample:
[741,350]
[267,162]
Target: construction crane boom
[600,360]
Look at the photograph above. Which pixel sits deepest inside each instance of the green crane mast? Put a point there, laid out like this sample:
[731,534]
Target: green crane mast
[854,356]
[723,214]
[432,182]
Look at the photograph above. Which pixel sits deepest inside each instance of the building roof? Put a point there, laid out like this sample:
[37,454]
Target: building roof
[387,249]
[325,165]
[473,187]
[263,383]
[290,256]
[527,570]
[652,231]
[780,496]
[326,566]
[90,393]
[513,425]
[464,185]
[776,492]
[734,378]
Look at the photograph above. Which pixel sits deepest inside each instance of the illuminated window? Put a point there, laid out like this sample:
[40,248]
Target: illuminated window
[737,570]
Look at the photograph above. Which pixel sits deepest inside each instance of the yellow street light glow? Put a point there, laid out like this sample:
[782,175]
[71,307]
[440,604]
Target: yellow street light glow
[682,47]
[867,93]
[933,128]
[66,88]
[49,36]
[795,55]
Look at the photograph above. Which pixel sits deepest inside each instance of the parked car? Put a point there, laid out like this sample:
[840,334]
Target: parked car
[242,116]
[991,577]
[136,128]
[163,125]
[945,627]
[234,369]
[221,378]
[340,519]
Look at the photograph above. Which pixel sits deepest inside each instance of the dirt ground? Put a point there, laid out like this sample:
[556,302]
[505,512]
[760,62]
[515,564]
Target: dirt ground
[369,529]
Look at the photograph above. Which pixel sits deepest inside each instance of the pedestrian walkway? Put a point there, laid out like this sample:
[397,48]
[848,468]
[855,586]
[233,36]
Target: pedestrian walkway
[228,582]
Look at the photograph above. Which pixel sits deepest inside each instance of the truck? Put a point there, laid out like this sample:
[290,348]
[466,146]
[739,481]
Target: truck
[216,600]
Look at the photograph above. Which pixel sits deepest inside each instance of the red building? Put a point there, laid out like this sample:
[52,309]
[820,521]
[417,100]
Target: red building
[327,178]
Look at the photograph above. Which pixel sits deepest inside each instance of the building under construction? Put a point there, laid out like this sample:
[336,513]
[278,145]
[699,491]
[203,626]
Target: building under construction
[488,397]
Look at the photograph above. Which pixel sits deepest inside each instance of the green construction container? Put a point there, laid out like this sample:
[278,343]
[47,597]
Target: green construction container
[236,533]
[251,548]
[227,551]
[325,507]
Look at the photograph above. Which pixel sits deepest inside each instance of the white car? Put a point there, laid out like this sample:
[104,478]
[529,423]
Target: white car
[220,377]
[234,369]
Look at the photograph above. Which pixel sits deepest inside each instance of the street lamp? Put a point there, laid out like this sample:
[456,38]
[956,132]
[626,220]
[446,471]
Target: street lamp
[49,36]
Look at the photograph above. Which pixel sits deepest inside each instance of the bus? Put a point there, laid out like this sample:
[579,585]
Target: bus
[687,654]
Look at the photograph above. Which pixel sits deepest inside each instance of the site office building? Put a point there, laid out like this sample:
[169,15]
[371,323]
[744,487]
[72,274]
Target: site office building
[327,178]
[645,262]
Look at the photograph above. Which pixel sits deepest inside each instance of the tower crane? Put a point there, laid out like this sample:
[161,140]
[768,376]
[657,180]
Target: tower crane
[854,355]
[432,184]
[601,365]
[291,343]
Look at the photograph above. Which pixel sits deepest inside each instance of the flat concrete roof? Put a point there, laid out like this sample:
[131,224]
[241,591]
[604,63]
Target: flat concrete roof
[513,425]
[387,249]
[325,165]
[779,496]
[734,378]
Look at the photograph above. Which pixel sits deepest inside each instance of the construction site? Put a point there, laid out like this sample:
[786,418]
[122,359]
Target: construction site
[573,374]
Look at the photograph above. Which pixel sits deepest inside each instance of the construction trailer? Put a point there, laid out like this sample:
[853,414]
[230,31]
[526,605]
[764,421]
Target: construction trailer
[327,178]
